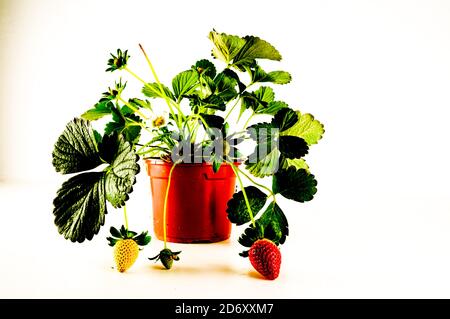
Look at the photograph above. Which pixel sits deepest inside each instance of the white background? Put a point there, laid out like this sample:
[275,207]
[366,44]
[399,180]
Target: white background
[376,73]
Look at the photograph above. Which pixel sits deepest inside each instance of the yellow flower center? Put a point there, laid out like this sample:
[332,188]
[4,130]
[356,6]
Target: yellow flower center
[159,121]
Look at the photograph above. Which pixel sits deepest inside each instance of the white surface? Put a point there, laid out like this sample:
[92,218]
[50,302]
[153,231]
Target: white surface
[338,248]
[376,73]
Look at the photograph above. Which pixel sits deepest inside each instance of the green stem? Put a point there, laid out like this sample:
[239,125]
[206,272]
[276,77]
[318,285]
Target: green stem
[165,204]
[257,184]
[194,131]
[119,113]
[125,216]
[151,88]
[232,108]
[152,69]
[136,110]
[152,152]
[144,146]
[247,203]
[186,123]
[135,75]
[198,116]
[161,88]
[135,123]
[152,149]
[239,97]
[248,120]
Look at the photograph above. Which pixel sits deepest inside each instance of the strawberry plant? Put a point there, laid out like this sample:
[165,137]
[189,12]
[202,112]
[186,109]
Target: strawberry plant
[204,115]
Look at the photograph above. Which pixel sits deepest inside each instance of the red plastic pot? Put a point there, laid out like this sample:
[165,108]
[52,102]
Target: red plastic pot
[197,202]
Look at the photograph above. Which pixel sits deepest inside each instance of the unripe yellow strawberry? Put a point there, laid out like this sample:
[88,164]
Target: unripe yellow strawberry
[125,254]
[126,246]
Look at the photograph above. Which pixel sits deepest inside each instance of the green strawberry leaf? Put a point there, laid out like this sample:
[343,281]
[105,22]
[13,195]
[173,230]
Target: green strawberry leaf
[225,46]
[255,48]
[272,225]
[205,67]
[98,137]
[263,166]
[80,206]
[153,90]
[76,149]
[293,147]
[265,159]
[295,184]
[272,108]
[138,103]
[276,77]
[262,101]
[213,121]
[121,174]
[225,87]
[242,52]
[306,127]
[237,208]
[122,123]
[230,73]
[258,100]
[250,235]
[108,147]
[185,83]
[264,94]
[211,102]
[261,131]
[205,87]
[248,101]
[101,109]
[298,163]
[285,119]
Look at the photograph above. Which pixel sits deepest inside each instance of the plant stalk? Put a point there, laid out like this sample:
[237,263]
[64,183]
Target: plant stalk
[247,203]
[151,88]
[248,120]
[165,205]
[255,183]
[136,110]
[135,75]
[161,88]
[232,108]
[125,216]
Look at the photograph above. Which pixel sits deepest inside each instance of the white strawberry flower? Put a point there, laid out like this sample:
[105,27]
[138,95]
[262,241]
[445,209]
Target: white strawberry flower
[159,119]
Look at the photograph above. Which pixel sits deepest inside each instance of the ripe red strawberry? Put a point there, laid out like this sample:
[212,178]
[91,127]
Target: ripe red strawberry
[265,258]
